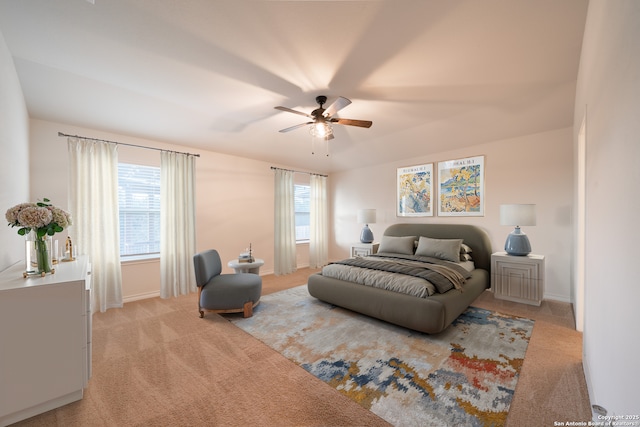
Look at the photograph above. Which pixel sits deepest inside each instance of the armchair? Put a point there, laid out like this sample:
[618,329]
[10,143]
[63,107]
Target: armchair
[224,293]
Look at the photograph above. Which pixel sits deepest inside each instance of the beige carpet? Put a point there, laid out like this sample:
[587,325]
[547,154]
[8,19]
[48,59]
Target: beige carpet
[156,363]
[551,386]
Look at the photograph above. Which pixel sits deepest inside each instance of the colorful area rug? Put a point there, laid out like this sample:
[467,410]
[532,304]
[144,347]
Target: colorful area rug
[465,375]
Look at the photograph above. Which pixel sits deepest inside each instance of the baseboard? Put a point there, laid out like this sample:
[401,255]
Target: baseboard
[587,377]
[561,298]
[137,297]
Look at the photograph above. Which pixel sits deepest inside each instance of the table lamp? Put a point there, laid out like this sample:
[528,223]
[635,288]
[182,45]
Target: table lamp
[366,217]
[517,214]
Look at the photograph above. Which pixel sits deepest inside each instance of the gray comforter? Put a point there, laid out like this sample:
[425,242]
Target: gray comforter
[410,274]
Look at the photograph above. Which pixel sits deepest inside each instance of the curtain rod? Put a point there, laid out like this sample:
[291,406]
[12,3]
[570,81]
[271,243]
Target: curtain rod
[123,143]
[291,170]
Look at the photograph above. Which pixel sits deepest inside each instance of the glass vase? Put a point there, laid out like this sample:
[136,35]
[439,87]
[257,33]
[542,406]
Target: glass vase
[39,255]
[43,254]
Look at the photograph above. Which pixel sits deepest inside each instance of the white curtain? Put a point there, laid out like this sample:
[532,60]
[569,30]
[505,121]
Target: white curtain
[319,230]
[177,224]
[93,204]
[285,223]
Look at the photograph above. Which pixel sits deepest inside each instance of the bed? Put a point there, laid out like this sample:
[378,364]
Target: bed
[421,302]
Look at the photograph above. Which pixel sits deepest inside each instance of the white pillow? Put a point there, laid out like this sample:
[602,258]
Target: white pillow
[397,245]
[447,249]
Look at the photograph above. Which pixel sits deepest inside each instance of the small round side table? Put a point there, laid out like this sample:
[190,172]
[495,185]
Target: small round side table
[246,267]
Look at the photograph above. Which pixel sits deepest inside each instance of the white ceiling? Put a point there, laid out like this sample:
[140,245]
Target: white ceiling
[432,75]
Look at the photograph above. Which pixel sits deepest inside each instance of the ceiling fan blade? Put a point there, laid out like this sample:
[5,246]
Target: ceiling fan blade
[295,127]
[352,122]
[289,110]
[336,106]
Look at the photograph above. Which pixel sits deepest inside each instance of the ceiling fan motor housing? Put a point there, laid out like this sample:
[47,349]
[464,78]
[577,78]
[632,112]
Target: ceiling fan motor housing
[321,99]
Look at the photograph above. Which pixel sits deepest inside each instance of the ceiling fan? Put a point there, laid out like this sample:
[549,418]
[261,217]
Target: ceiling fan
[320,126]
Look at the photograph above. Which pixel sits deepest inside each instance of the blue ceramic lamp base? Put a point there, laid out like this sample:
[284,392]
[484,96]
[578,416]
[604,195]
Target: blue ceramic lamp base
[366,236]
[517,243]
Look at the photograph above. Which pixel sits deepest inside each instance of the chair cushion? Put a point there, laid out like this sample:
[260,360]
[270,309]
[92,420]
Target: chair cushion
[231,291]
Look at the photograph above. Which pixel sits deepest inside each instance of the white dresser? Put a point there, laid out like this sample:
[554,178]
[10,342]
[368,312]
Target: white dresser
[45,339]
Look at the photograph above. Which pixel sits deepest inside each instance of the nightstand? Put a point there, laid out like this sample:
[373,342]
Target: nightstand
[364,249]
[518,278]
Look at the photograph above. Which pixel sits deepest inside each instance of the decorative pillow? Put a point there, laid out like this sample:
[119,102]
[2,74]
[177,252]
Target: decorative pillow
[465,249]
[447,249]
[465,257]
[397,245]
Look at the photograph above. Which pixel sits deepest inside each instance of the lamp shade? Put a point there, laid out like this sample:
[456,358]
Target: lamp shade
[522,214]
[366,216]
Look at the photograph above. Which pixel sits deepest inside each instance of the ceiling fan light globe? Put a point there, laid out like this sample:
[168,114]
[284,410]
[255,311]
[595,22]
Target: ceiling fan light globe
[320,130]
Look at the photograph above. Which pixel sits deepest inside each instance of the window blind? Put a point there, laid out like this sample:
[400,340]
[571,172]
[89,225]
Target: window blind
[139,209]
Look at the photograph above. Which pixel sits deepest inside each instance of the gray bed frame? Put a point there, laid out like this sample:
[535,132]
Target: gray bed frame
[430,315]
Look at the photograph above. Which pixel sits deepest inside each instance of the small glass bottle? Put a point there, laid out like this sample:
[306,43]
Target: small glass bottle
[69,249]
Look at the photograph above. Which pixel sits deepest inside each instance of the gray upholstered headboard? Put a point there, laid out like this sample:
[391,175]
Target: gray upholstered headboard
[473,236]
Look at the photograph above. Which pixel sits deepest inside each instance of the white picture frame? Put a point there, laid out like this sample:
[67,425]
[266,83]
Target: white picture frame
[414,191]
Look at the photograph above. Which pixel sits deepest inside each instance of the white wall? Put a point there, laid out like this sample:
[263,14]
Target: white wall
[14,160]
[234,199]
[609,89]
[529,169]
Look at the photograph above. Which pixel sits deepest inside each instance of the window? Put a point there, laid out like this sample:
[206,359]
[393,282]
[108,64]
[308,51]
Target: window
[139,203]
[302,204]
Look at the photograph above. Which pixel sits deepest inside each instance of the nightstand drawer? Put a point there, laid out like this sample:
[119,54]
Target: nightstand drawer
[364,249]
[518,278]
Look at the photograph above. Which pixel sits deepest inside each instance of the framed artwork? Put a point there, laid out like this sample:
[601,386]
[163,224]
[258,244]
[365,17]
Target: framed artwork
[415,191]
[461,187]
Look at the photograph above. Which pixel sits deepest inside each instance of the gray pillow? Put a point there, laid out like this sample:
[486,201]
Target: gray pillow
[447,249]
[397,245]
